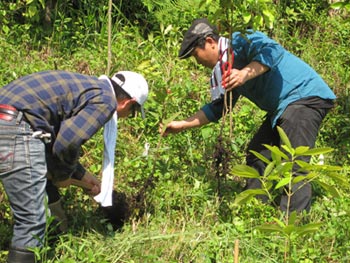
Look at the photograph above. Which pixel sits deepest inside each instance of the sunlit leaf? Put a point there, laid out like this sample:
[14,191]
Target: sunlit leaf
[339,178]
[309,177]
[329,188]
[292,218]
[269,168]
[270,228]
[282,183]
[288,149]
[207,132]
[245,171]
[247,195]
[277,151]
[246,17]
[337,5]
[261,157]
[307,229]
[301,149]
[347,7]
[284,137]
[317,151]
[288,230]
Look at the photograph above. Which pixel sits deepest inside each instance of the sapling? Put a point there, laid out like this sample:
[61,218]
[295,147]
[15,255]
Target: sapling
[279,175]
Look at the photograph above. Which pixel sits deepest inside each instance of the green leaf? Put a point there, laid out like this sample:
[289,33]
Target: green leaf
[246,17]
[304,165]
[337,5]
[308,177]
[247,195]
[261,157]
[284,168]
[292,218]
[269,168]
[301,149]
[284,137]
[280,223]
[339,178]
[347,7]
[329,188]
[207,132]
[288,230]
[329,168]
[317,151]
[245,171]
[309,228]
[270,228]
[282,183]
[288,149]
[277,151]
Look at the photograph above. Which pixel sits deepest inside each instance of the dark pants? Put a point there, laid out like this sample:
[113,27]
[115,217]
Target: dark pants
[301,124]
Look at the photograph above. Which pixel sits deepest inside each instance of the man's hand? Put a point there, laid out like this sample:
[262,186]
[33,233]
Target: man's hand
[94,185]
[94,182]
[197,120]
[235,77]
[172,127]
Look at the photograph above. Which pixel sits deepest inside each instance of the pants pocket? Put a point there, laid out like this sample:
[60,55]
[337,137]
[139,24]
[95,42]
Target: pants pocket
[7,152]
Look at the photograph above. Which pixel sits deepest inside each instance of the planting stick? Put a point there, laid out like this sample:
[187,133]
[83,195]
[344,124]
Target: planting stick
[236,250]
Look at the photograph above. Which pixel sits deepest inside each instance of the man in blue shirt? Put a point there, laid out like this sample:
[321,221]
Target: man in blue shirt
[45,118]
[294,96]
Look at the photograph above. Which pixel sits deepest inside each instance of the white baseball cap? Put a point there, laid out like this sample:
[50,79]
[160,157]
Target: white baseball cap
[134,84]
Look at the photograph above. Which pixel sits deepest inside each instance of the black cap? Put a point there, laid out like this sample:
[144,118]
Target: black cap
[200,28]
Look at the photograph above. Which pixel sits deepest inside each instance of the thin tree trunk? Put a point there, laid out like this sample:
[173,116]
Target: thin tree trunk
[109,37]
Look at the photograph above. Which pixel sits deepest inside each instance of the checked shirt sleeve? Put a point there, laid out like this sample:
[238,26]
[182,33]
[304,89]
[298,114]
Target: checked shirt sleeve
[74,132]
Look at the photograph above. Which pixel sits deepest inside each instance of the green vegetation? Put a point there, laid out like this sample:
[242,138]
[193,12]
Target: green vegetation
[190,209]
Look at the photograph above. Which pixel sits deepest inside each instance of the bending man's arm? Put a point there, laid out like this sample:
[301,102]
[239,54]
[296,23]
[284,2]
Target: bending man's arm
[239,77]
[197,120]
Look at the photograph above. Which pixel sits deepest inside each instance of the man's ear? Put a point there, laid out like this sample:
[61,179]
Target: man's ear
[124,103]
[210,40]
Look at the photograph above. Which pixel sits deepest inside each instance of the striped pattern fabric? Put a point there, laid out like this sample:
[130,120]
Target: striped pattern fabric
[71,107]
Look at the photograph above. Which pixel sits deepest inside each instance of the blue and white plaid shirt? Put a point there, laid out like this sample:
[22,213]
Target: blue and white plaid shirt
[71,107]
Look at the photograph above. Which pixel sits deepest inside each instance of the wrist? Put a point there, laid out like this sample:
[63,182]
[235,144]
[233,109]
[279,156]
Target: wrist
[247,74]
[79,173]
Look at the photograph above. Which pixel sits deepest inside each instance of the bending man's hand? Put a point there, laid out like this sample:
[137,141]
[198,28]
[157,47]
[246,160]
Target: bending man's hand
[62,184]
[94,182]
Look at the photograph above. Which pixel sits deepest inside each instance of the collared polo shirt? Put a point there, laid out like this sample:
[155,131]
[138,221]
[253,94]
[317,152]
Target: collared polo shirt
[288,80]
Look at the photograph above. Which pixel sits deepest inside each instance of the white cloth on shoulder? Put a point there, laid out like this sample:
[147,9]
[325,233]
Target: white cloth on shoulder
[110,133]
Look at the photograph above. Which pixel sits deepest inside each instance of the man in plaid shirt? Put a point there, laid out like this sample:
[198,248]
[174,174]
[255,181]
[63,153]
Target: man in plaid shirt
[45,117]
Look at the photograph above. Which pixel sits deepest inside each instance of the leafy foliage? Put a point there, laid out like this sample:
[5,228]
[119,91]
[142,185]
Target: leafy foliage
[188,213]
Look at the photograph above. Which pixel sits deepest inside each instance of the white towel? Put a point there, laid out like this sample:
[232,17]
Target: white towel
[216,76]
[110,133]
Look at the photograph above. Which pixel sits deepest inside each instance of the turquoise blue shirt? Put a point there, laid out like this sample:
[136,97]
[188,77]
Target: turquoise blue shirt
[289,79]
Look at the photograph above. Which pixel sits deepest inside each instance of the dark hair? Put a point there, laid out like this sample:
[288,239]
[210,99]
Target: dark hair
[201,41]
[118,90]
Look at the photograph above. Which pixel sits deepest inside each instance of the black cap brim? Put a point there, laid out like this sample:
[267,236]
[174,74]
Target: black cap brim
[200,28]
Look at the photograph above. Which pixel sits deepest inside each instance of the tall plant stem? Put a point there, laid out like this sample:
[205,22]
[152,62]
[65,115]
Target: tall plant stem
[109,37]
